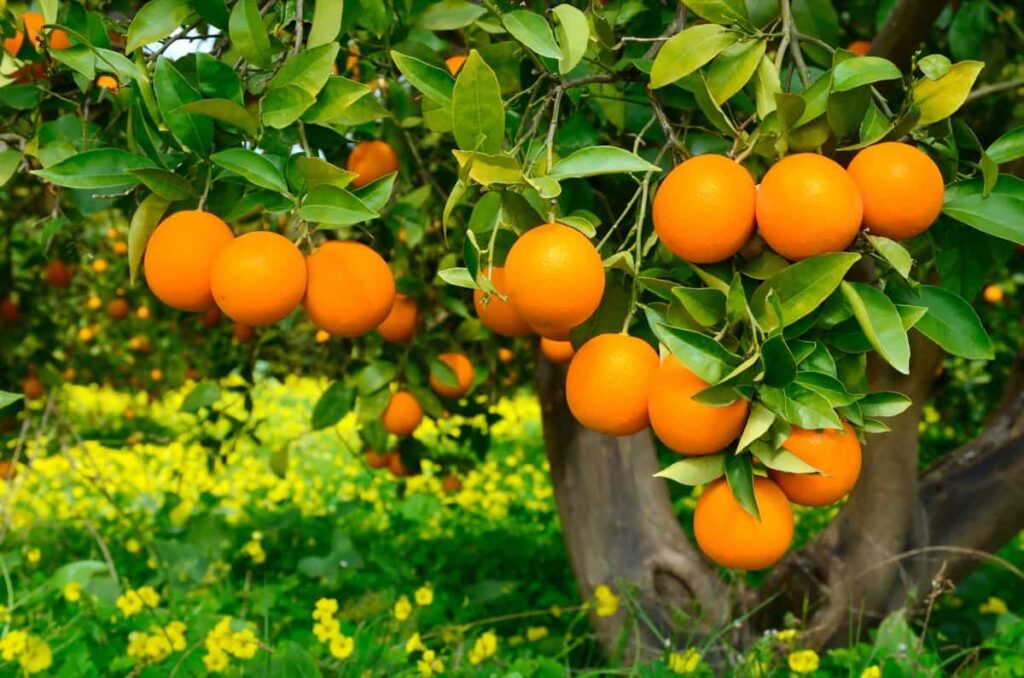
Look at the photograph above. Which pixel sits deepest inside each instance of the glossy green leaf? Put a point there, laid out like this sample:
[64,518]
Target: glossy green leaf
[435,83]
[880,322]
[226,111]
[706,306]
[459,277]
[248,34]
[1008,147]
[768,85]
[701,354]
[758,423]
[533,31]
[285,105]
[376,194]
[450,15]
[739,472]
[781,460]
[337,96]
[827,386]
[164,183]
[327,15]
[1000,213]
[573,31]
[252,166]
[687,51]
[952,324]
[778,361]
[934,66]
[488,170]
[479,116]
[884,404]
[338,400]
[7,398]
[10,161]
[308,70]
[327,204]
[802,287]
[595,160]
[733,68]
[695,470]
[893,252]
[145,220]
[172,92]
[718,11]
[860,71]
[939,99]
[156,20]
[100,168]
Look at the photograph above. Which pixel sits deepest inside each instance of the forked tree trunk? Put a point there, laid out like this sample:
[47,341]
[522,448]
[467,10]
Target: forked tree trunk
[619,526]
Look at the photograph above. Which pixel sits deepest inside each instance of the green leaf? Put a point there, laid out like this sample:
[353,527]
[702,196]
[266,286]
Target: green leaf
[695,470]
[225,111]
[172,92]
[327,15]
[573,36]
[827,386]
[934,66]
[733,69]
[7,398]
[315,172]
[533,31]
[893,252]
[758,423]
[203,395]
[145,220]
[739,472]
[479,116]
[487,170]
[939,99]
[333,404]
[595,160]
[247,33]
[1000,213]
[327,204]
[334,100]
[167,185]
[435,83]
[701,354]
[860,71]
[124,68]
[707,306]
[450,15]
[253,167]
[736,302]
[459,277]
[376,194]
[100,168]
[952,324]
[781,460]
[880,322]
[779,364]
[802,287]
[687,51]
[884,404]
[768,85]
[718,11]
[155,21]
[308,70]
[800,406]
[9,163]
[79,58]
[285,105]
[1008,147]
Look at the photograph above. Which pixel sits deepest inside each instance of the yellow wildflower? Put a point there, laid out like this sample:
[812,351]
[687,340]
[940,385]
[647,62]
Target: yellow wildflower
[325,608]
[414,644]
[13,644]
[607,602]
[326,629]
[341,646]
[403,608]
[993,605]
[429,664]
[803,661]
[786,636]
[132,546]
[73,592]
[216,661]
[129,603]
[485,646]
[34,555]
[176,634]
[871,672]
[424,595]
[36,656]
[149,596]
[243,644]
[684,662]
[534,633]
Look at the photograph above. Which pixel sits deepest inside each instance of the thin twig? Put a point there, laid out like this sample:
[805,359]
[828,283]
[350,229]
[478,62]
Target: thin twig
[300,26]
[994,88]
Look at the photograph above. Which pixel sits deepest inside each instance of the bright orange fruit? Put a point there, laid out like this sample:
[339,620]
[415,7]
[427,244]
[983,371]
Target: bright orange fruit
[498,315]
[179,257]
[608,383]
[837,454]
[400,324]
[371,160]
[733,538]
[402,414]
[463,369]
[350,290]
[258,278]
[901,187]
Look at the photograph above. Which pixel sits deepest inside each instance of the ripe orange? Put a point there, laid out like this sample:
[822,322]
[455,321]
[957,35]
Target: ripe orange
[375,459]
[33,21]
[32,387]
[557,352]
[13,44]
[397,466]
[9,311]
[258,278]
[371,160]
[808,205]
[142,313]
[608,383]
[120,248]
[555,279]
[400,324]
[57,274]
[836,454]
[322,337]
[859,47]
[451,483]
[118,309]
[100,265]
[704,209]
[454,63]
[901,187]
[403,414]
[350,290]
[463,373]
[505,355]
[107,82]
[242,333]
[993,294]
[732,537]
[498,315]
[179,257]
[682,423]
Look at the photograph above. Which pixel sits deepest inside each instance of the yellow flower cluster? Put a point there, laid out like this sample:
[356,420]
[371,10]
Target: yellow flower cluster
[158,644]
[73,592]
[429,664]
[803,661]
[33,653]
[486,646]
[403,608]
[327,629]
[993,605]
[606,602]
[684,662]
[254,548]
[222,643]
[132,602]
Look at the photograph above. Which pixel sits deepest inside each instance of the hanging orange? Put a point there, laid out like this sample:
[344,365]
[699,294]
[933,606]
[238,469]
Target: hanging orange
[350,290]
[608,383]
[259,278]
[496,314]
[179,257]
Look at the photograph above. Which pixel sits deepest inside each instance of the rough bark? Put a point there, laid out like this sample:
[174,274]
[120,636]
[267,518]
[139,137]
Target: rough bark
[619,526]
[906,29]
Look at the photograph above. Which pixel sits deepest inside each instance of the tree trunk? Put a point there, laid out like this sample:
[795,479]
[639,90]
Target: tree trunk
[620,529]
[906,29]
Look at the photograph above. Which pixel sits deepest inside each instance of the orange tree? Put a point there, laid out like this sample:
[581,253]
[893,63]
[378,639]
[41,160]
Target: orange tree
[797,228]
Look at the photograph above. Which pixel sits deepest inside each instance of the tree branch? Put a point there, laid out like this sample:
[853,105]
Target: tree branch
[906,28]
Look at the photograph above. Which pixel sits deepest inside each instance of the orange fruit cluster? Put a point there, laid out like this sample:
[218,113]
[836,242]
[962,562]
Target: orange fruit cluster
[193,262]
[707,208]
